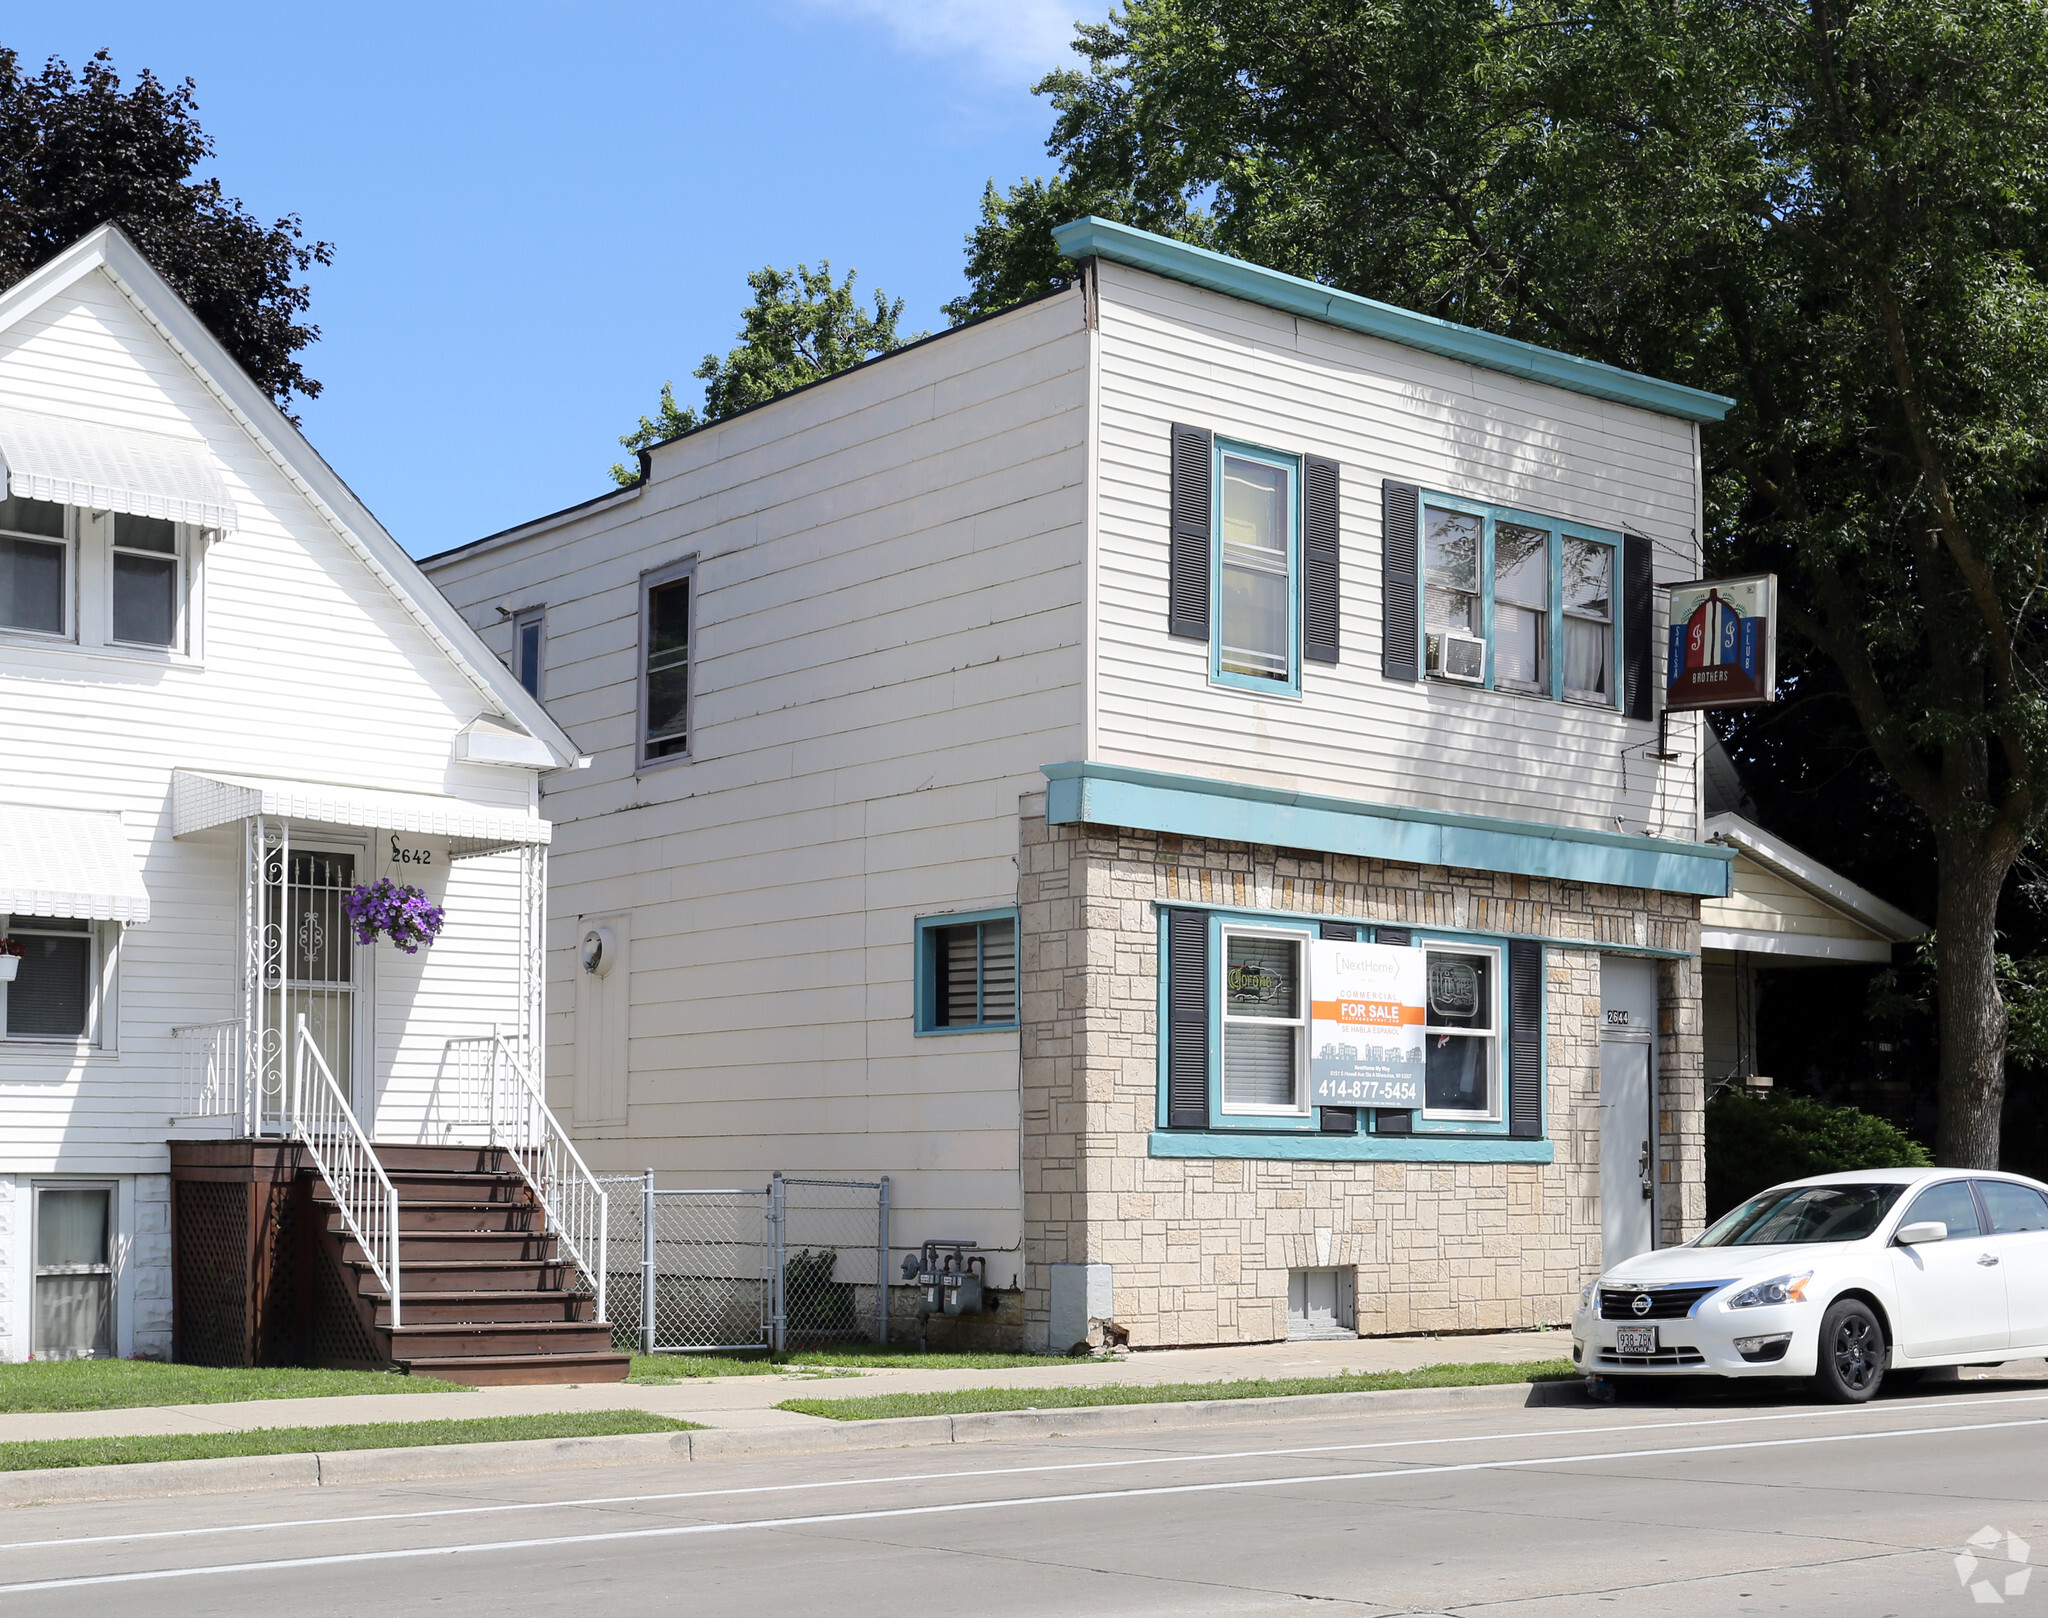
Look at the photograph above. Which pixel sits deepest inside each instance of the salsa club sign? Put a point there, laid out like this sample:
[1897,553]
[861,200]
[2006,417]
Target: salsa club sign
[1365,1025]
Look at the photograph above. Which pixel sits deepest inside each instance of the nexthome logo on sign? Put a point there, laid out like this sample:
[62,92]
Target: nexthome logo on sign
[1980,1545]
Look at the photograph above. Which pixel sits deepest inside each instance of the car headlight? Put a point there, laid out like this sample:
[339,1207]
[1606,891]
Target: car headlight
[1587,1292]
[1783,1289]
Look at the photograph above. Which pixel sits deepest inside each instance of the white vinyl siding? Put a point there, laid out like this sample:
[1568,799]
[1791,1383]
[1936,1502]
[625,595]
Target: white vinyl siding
[1175,353]
[887,643]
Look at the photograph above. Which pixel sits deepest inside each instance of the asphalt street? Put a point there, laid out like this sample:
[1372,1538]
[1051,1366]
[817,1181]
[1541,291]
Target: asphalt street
[1712,1506]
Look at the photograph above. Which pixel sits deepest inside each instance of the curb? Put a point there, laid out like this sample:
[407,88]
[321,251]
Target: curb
[232,1474]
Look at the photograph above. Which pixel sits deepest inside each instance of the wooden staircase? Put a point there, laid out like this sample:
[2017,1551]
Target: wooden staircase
[486,1296]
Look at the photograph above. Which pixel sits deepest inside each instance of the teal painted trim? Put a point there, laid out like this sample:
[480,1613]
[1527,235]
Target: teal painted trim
[1103,238]
[1597,946]
[1191,806]
[925,1022]
[1350,1148]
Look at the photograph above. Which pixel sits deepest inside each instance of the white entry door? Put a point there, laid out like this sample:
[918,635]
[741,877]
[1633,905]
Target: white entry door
[1628,1206]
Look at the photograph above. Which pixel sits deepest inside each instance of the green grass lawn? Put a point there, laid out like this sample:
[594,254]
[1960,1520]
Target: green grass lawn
[968,1401]
[679,1367]
[123,1384]
[301,1440]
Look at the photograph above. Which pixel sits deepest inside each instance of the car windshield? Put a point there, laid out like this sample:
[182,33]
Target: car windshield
[1804,1213]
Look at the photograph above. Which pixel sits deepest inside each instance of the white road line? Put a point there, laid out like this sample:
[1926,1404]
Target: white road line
[991,1472]
[688,1530]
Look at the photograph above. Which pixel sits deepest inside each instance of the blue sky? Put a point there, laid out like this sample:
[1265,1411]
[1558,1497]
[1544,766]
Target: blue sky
[541,212]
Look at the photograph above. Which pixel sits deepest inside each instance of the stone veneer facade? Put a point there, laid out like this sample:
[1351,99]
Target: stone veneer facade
[1201,1247]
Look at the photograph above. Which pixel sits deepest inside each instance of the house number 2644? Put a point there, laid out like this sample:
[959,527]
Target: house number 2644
[410,856]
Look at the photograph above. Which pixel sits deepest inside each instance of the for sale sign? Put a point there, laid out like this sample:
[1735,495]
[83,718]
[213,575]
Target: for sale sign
[1365,1025]
[1723,651]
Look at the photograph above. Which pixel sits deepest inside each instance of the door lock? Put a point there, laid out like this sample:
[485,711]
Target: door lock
[1643,1173]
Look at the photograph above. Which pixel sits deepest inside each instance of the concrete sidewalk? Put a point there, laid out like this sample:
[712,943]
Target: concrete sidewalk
[748,1401]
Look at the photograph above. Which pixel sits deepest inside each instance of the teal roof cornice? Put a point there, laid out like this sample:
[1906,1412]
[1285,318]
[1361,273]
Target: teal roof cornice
[1228,811]
[1103,238]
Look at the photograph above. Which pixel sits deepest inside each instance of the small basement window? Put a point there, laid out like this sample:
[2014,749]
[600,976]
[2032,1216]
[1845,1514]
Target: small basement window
[74,1302]
[966,972]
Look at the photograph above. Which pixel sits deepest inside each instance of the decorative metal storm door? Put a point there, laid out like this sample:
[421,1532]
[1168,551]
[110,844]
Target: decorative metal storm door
[305,963]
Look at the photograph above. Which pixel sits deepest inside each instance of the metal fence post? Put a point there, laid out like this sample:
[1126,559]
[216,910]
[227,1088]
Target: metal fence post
[647,1262]
[882,1263]
[778,1290]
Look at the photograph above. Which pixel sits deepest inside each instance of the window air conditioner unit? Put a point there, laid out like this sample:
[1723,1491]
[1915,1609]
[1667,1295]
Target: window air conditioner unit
[1454,655]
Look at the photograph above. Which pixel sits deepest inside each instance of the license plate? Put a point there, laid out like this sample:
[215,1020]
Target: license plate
[1635,1340]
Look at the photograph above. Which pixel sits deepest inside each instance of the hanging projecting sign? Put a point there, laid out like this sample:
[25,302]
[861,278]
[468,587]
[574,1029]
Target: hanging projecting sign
[1724,643]
[1365,1025]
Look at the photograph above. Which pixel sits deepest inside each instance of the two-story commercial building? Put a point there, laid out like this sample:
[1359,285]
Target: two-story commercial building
[987,740]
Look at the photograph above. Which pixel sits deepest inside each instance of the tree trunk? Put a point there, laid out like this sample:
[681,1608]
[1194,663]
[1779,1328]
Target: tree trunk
[1972,1014]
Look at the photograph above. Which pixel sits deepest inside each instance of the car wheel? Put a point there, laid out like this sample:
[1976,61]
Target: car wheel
[1852,1353]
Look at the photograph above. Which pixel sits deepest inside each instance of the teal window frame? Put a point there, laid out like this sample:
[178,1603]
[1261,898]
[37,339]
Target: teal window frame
[925,1021]
[1291,465]
[1559,530]
[1310,1122]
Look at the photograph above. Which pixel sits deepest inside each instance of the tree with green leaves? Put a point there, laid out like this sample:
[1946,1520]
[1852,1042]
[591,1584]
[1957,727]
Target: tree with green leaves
[1835,211]
[77,151]
[801,327]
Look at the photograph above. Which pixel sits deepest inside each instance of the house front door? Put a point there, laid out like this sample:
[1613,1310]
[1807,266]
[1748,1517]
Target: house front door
[320,961]
[1628,1135]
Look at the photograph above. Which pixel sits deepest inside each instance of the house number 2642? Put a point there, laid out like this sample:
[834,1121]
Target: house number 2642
[410,856]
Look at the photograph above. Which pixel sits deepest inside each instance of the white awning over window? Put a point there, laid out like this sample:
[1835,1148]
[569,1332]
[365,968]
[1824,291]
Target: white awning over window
[203,800]
[68,862]
[81,463]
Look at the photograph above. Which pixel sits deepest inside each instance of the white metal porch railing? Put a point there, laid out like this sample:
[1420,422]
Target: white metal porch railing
[323,1121]
[498,1092]
[213,1074]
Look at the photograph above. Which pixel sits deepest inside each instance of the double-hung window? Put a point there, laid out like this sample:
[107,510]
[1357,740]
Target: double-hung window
[74,1279]
[1518,602]
[966,972]
[1263,1000]
[146,582]
[37,571]
[667,599]
[51,996]
[1461,1032]
[1257,559]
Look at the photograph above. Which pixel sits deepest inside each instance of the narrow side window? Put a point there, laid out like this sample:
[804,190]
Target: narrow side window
[668,597]
[529,648]
[1257,557]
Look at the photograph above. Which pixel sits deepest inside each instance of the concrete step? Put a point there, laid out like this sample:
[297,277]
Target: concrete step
[464,1339]
[518,1370]
[458,1308]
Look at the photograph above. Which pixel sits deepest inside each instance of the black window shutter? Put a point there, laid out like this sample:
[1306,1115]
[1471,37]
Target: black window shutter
[1339,1120]
[1187,589]
[1187,1019]
[1525,1039]
[1393,1120]
[1400,581]
[1321,597]
[1638,656]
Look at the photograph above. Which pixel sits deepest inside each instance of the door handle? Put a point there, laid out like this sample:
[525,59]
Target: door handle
[1643,1170]
[1987,1258]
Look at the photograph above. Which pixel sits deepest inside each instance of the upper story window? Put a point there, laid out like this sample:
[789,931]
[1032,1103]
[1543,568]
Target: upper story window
[529,646]
[1518,602]
[667,597]
[35,567]
[1256,558]
[95,578]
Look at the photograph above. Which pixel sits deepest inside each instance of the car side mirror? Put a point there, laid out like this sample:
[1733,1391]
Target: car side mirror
[1921,1230]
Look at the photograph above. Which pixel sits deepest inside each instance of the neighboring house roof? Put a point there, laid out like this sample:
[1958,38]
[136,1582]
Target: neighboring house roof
[111,252]
[1837,921]
[1141,249]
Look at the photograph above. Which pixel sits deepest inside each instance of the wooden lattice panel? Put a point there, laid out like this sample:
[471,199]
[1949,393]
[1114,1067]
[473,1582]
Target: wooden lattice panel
[212,1272]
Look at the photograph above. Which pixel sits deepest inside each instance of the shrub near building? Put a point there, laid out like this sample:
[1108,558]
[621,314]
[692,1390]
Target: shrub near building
[1752,1144]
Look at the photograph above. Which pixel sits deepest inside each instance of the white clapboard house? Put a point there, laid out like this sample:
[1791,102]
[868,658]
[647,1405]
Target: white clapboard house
[228,699]
[982,738]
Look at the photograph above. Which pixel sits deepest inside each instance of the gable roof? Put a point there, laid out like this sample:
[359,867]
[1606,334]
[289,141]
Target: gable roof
[1162,255]
[1802,870]
[110,251]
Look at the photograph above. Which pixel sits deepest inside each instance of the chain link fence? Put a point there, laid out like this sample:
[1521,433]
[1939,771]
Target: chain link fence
[798,1263]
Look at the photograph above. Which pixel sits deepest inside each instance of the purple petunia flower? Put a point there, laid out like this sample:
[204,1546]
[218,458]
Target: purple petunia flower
[403,914]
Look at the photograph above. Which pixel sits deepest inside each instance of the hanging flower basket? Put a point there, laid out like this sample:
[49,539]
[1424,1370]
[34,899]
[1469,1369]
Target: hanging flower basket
[10,959]
[402,914]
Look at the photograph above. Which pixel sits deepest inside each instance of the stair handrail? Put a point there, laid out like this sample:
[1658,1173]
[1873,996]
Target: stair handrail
[324,1122]
[570,1198]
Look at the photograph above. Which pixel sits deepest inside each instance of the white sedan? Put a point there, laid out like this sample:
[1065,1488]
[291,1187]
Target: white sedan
[1841,1278]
